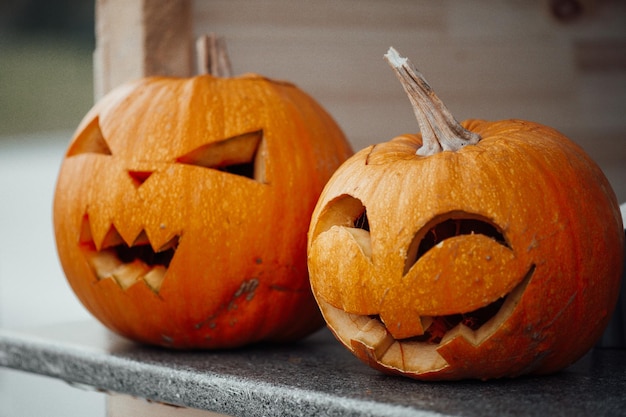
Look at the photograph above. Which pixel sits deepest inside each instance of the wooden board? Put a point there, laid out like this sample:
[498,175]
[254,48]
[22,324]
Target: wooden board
[485,58]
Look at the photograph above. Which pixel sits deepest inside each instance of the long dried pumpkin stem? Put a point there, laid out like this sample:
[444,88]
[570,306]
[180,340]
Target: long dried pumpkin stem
[212,56]
[440,130]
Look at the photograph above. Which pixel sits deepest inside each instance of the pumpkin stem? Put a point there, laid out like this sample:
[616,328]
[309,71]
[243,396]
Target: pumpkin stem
[440,130]
[212,56]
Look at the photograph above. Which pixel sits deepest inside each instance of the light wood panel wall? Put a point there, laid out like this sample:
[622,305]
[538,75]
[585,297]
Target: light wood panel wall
[490,59]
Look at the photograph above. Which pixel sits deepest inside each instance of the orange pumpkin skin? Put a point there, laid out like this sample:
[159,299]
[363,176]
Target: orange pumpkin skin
[556,273]
[145,170]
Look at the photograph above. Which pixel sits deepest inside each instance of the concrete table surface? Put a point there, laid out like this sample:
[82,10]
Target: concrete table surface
[315,376]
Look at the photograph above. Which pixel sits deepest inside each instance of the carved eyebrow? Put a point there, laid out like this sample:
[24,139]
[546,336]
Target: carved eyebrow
[450,226]
[90,140]
[237,155]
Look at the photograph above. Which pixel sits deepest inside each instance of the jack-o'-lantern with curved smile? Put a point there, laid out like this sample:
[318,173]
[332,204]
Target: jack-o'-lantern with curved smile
[182,206]
[474,250]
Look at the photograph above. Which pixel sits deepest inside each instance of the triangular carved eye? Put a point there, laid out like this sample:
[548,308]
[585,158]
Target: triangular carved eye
[90,140]
[237,155]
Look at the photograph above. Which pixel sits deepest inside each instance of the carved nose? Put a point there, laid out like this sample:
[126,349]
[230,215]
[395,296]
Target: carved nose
[139,177]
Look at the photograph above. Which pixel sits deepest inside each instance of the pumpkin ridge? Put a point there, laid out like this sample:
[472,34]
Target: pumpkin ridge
[571,226]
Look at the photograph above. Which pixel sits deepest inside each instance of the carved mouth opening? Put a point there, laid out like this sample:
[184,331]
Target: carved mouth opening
[436,327]
[128,264]
[440,325]
[145,254]
[369,338]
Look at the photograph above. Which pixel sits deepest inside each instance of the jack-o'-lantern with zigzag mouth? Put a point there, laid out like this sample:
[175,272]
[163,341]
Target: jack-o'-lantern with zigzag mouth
[473,250]
[182,207]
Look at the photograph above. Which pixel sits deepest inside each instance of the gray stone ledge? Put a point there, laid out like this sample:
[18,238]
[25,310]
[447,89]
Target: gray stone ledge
[316,376]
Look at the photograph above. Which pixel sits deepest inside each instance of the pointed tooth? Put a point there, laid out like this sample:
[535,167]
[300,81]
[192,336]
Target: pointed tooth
[128,274]
[154,278]
[99,227]
[162,237]
[112,238]
[172,243]
[104,263]
[141,239]
[130,234]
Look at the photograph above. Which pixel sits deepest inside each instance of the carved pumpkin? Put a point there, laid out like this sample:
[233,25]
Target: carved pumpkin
[182,207]
[480,250]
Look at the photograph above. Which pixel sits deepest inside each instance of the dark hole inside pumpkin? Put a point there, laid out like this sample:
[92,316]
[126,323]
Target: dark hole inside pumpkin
[442,324]
[474,320]
[235,155]
[243,170]
[449,228]
[127,264]
[362,222]
[457,227]
[144,253]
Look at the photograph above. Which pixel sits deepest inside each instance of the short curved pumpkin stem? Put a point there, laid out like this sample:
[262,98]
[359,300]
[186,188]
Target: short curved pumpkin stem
[212,56]
[440,130]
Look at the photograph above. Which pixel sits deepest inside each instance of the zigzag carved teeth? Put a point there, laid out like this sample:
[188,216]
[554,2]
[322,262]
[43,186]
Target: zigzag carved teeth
[128,264]
[141,239]
[112,238]
[171,244]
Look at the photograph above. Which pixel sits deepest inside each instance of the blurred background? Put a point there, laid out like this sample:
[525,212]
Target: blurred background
[46,86]
[45,64]
[557,62]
